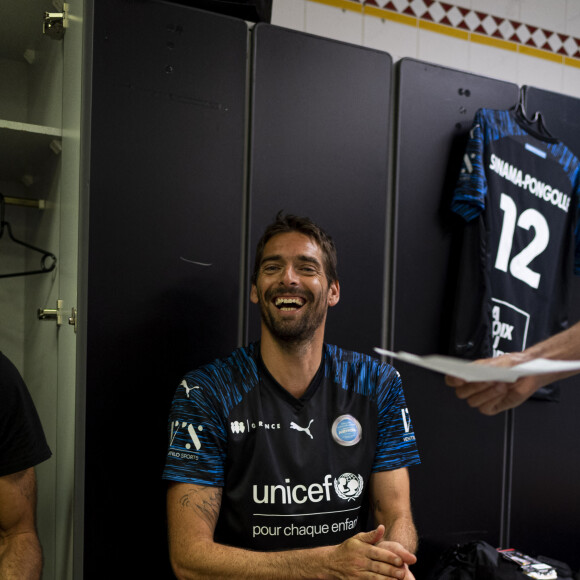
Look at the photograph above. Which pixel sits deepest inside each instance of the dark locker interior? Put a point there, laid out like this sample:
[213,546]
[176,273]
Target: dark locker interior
[197,141]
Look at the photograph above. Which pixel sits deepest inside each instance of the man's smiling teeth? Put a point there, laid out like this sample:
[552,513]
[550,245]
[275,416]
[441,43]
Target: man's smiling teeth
[289,303]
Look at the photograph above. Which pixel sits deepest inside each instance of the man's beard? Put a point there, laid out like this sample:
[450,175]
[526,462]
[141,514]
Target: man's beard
[296,331]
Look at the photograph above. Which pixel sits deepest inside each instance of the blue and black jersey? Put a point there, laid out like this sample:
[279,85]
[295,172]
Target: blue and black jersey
[294,471]
[518,191]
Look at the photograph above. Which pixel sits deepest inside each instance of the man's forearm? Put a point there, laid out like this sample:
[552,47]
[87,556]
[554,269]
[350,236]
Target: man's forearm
[20,557]
[402,530]
[193,512]
[562,346]
[227,562]
[192,515]
[354,558]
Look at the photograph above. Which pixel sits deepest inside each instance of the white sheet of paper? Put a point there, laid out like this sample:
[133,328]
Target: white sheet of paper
[469,371]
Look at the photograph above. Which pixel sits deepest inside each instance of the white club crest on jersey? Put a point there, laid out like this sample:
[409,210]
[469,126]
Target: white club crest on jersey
[346,430]
[305,429]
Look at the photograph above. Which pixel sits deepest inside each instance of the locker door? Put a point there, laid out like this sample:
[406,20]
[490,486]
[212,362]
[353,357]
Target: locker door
[164,236]
[320,135]
[546,506]
[457,490]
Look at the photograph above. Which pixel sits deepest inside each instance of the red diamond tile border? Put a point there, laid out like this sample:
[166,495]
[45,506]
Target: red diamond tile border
[469,20]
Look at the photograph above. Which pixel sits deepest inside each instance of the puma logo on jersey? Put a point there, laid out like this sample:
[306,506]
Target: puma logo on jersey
[305,429]
[187,388]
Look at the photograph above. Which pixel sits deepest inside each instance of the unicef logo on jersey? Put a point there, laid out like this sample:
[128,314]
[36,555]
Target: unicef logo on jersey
[348,486]
[346,430]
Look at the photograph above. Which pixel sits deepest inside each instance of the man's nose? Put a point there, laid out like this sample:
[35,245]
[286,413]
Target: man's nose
[289,276]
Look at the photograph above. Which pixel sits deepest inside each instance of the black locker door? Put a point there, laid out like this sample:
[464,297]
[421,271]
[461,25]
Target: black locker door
[165,229]
[457,489]
[546,502]
[320,133]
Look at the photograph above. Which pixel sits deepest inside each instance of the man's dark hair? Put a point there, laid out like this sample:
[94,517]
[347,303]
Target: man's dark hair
[289,223]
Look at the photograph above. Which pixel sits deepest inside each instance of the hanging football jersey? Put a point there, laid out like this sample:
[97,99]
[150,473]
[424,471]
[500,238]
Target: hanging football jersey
[518,193]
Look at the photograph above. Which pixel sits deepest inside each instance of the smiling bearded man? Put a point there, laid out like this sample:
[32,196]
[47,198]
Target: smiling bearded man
[277,451]
[291,288]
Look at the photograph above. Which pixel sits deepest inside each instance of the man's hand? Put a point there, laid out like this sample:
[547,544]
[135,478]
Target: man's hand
[492,397]
[367,555]
[408,557]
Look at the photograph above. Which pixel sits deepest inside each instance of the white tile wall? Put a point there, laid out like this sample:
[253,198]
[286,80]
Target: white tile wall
[493,62]
[398,40]
[336,23]
[548,15]
[549,76]
[401,40]
[289,14]
[572,24]
[571,81]
[502,8]
[443,50]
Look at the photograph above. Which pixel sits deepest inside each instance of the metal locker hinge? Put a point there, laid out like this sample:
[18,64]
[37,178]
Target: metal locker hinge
[58,314]
[55,23]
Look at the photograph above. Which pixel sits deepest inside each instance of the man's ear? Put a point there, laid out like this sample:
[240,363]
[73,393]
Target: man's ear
[333,293]
[254,294]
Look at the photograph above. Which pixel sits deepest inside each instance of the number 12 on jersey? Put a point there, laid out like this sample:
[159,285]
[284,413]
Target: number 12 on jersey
[519,264]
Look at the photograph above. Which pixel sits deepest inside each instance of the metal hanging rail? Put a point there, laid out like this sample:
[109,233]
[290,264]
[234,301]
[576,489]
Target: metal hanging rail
[36,203]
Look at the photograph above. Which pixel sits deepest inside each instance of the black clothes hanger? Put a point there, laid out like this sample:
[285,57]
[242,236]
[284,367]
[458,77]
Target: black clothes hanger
[537,123]
[44,266]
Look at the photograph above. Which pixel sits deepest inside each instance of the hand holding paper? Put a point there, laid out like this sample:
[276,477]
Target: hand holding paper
[468,371]
[498,384]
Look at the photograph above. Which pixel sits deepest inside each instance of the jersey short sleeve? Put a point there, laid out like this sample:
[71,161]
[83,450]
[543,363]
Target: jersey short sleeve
[198,428]
[379,386]
[22,440]
[396,444]
[469,198]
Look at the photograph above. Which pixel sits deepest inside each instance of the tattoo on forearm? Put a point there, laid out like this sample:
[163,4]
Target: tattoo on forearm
[205,502]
